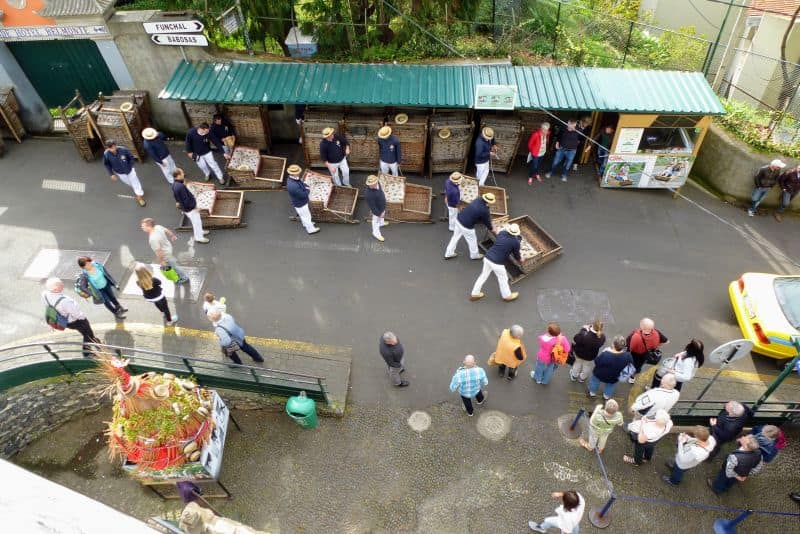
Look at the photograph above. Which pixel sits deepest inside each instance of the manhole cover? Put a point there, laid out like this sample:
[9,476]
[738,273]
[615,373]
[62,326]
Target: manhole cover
[494,425]
[419,421]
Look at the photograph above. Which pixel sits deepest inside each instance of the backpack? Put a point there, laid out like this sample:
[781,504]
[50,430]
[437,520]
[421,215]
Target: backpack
[53,317]
[558,354]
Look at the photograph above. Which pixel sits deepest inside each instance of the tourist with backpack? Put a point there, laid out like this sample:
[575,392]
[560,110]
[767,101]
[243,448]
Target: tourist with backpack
[62,312]
[95,281]
[553,351]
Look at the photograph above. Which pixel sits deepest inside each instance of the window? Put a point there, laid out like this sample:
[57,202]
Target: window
[668,140]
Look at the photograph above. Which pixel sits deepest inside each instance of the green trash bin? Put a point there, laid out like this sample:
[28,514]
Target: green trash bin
[303,410]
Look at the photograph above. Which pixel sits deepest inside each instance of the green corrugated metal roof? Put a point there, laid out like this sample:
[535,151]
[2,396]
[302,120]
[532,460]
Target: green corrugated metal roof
[442,86]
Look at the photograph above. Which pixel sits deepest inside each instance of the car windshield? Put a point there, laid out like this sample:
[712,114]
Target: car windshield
[787,291]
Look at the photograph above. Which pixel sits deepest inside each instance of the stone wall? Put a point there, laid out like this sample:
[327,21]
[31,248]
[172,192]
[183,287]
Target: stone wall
[728,165]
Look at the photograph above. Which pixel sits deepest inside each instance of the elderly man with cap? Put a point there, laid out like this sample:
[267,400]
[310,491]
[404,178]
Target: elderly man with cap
[298,195]
[119,162]
[54,296]
[187,203]
[198,148]
[506,243]
[389,149]
[452,196]
[376,200]
[156,147]
[764,180]
[485,149]
[475,212]
[333,149]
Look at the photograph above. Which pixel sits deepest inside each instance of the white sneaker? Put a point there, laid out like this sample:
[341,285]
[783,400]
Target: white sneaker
[563,178]
[751,213]
[314,231]
[204,240]
[208,177]
[174,319]
[547,175]
[632,380]
[206,232]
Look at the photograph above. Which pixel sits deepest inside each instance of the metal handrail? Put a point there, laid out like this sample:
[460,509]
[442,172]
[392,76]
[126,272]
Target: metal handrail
[263,377]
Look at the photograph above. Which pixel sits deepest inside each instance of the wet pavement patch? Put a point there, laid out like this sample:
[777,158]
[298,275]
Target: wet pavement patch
[574,306]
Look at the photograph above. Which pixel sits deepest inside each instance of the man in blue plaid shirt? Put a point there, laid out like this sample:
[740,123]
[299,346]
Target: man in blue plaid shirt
[468,381]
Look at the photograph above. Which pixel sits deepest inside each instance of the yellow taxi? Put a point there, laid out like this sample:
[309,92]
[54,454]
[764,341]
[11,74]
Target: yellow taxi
[767,307]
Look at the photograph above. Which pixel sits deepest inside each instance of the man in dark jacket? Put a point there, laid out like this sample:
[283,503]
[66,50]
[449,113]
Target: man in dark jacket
[389,151]
[221,130]
[334,149]
[566,146]
[185,201]
[728,424]
[485,150]
[392,352]
[789,182]
[475,212]
[156,147]
[198,148]
[119,162]
[298,195]
[376,200]
[507,243]
[764,180]
[452,196]
[740,464]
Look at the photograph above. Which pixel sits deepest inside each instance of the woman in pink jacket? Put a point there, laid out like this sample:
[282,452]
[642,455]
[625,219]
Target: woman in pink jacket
[545,360]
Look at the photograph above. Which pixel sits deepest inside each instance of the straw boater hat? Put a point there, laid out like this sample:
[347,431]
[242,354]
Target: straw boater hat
[488,197]
[444,133]
[126,106]
[401,118]
[384,132]
[455,177]
[149,133]
[372,179]
[327,131]
[513,229]
[488,133]
[294,170]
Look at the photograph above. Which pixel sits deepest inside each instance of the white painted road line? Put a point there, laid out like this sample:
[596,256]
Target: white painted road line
[64,185]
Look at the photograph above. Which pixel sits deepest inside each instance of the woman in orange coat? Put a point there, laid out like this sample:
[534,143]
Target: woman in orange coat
[510,352]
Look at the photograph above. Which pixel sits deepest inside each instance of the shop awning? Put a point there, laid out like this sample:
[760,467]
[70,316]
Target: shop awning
[442,86]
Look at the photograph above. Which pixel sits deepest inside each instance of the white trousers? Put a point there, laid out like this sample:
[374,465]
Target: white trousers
[342,169]
[207,163]
[481,172]
[386,167]
[468,235]
[377,222]
[167,165]
[452,213]
[501,274]
[197,223]
[305,218]
[132,181]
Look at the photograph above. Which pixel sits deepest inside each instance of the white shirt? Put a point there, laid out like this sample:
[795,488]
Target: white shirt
[656,399]
[208,307]
[691,454]
[568,520]
[67,307]
[159,240]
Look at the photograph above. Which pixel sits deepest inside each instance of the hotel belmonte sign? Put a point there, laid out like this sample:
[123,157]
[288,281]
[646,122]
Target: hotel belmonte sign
[178,26]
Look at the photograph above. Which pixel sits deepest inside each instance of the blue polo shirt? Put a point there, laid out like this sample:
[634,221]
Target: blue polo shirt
[183,196]
[119,163]
[389,149]
[157,148]
[298,192]
[475,212]
[333,151]
[483,149]
[452,193]
[376,200]
[505,244]
[218,132]
[198,144]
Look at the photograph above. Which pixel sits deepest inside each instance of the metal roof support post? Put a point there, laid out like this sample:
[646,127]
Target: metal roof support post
[710,58]
[781,377]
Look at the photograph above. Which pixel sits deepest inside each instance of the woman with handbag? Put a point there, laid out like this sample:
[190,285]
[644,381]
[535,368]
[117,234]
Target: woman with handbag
[151,290]
[510,352]
[546,360]
[95,281]
[684,364]
[644,346]
[585,346]
[644,434]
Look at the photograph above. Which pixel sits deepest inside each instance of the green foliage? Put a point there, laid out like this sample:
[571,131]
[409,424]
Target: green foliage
[751,125]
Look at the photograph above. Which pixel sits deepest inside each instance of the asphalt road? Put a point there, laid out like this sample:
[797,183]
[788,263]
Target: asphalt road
[652,255]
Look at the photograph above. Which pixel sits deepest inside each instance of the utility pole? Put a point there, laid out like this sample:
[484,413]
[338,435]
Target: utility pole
[246,34]
[710,57]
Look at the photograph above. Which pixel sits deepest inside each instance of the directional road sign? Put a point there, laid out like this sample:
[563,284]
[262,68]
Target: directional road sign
[182,39]
[174,26]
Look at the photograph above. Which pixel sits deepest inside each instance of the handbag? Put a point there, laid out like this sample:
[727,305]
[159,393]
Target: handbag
[169,273]
[626,373]
[653,356]
[233,346]
[571,357]
[229,141]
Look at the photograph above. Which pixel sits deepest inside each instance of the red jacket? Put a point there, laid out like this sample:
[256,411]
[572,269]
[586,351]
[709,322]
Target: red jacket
[535,142]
